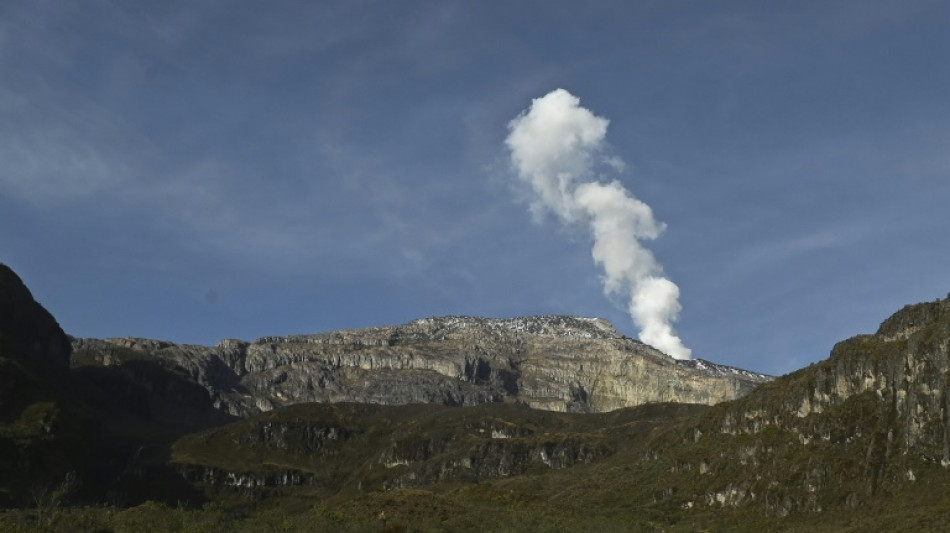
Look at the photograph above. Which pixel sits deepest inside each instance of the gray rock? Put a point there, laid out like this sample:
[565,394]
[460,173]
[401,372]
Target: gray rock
[865,422]
[557,363]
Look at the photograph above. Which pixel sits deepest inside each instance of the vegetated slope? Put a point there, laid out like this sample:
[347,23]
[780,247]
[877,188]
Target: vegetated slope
[557,363]
[372,447]
[867,428]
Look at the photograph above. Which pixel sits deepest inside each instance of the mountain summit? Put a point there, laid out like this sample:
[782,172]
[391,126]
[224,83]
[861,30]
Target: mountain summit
[556,363]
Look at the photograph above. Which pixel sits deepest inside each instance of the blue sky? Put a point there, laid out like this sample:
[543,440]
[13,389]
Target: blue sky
[193,171]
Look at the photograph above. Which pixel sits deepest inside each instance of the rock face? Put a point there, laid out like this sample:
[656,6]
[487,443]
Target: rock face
[555,363]
[903,370]
[870,419]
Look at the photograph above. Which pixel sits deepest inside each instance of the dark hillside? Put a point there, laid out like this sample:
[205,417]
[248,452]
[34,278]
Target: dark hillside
[86,434]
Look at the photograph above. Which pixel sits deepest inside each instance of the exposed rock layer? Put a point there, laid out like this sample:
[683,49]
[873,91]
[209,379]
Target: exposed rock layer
[870,419]
[555,363]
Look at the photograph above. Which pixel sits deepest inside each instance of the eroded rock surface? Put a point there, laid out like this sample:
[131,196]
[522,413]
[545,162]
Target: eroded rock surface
[556,363]
[867,421]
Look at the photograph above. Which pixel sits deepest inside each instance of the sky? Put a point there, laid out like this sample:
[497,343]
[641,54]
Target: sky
[194,171]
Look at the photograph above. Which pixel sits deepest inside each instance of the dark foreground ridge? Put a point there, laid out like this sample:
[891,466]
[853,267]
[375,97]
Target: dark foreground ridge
[125,441]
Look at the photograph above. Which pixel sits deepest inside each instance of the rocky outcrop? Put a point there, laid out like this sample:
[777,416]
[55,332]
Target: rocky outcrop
[903,370]
[870,419]
[554,363]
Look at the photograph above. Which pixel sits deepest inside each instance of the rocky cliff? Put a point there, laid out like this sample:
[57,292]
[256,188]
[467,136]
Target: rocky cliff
[873,419]
[556,363]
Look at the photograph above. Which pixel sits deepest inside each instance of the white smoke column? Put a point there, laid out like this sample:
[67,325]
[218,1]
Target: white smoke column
[555,145]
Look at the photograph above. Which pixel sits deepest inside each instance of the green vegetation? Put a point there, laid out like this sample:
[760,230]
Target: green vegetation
[856,443]
[593,499]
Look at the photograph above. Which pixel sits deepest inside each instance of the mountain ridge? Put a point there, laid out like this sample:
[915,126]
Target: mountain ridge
[859,441]
[552,362]
[842,444]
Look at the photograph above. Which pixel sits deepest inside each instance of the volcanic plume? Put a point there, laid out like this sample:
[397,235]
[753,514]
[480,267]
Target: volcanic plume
[556,145]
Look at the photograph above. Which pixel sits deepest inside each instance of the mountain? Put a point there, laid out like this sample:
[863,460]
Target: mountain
[872,420]
[556,363]
[858,442]
[30,336]
[86,431]
[34,361]
[143,429]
